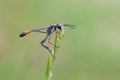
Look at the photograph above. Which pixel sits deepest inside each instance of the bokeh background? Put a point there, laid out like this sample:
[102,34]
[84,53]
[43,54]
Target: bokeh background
[90,52]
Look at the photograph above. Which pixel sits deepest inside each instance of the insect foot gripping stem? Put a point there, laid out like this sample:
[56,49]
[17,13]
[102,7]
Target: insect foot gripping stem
[54,56]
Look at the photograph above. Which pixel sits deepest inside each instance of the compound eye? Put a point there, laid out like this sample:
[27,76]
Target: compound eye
[59,26]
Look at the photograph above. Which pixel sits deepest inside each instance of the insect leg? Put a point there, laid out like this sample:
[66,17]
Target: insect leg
[59,34]
[43,44]
[49,41]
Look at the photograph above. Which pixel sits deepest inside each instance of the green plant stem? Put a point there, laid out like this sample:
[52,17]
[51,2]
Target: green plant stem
[51,60]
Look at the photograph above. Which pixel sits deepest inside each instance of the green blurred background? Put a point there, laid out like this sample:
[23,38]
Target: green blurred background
[90,52]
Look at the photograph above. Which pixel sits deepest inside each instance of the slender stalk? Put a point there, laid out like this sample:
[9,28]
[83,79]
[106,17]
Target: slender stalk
[51,60]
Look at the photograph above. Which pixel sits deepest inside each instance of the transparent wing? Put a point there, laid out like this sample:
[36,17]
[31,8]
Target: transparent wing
[39,29]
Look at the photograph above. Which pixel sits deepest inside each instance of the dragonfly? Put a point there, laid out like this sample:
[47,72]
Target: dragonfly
[49,31]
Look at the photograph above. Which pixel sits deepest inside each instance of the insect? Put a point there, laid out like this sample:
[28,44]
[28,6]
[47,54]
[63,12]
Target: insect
[50,30]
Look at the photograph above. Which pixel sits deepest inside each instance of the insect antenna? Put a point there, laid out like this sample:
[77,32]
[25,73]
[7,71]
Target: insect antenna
[69,25]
